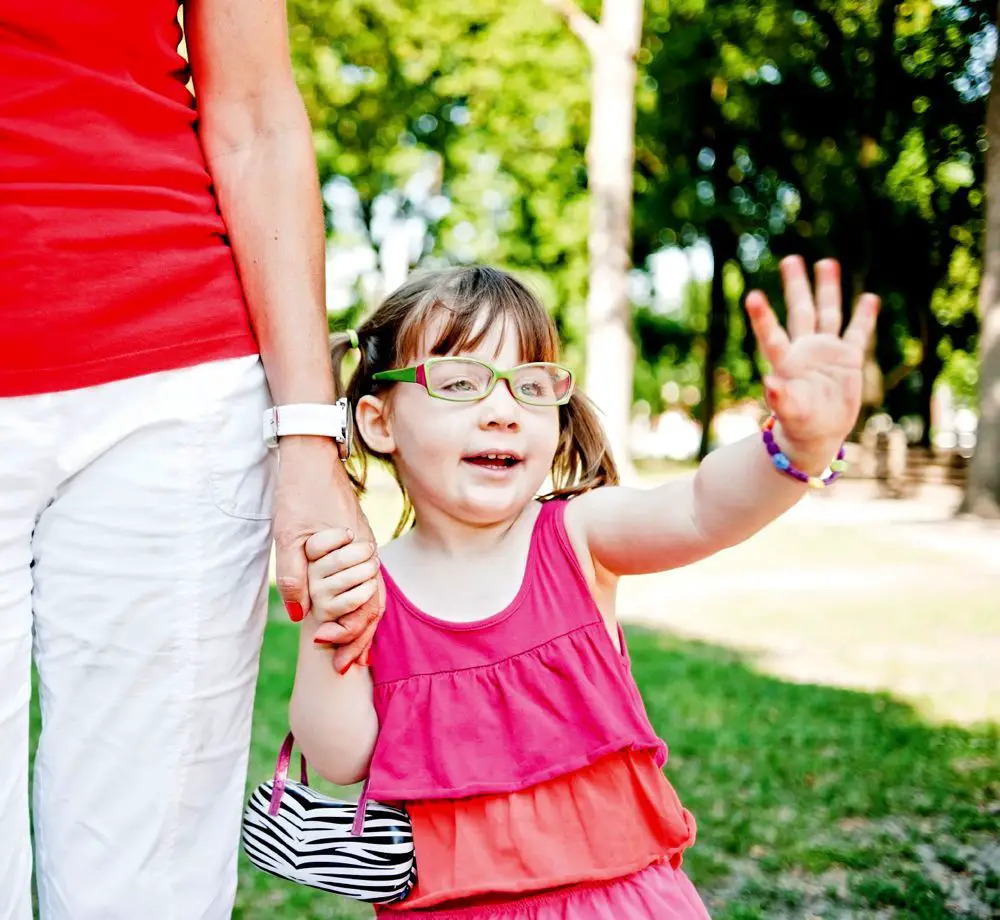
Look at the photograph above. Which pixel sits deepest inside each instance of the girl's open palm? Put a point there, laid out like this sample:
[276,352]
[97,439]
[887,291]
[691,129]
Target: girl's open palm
[815,382]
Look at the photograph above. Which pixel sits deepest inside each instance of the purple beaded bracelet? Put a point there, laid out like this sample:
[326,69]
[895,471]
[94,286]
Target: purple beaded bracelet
[784,465]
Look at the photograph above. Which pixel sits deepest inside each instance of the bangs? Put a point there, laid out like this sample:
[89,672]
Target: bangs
[468,305]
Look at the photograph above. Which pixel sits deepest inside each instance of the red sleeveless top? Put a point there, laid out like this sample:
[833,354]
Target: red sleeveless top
[113,255]
[519,743]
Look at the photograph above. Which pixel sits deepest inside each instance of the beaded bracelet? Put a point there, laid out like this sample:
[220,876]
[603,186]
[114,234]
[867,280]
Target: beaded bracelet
[784,465]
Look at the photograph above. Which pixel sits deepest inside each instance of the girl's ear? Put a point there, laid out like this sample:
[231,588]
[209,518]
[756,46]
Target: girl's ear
[374,425]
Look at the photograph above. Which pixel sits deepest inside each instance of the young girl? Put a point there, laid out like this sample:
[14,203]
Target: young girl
[499,706]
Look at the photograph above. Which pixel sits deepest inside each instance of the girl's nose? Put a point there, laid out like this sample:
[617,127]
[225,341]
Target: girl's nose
[500,409]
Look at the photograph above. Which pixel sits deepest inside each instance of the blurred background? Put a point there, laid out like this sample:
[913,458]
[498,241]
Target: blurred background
[830,690]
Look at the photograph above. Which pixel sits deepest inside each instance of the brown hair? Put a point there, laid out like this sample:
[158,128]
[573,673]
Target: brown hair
[473,300]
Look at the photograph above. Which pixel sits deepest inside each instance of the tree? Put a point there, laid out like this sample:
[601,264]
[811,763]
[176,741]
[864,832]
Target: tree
[825,128]
[612,43]
[982,495]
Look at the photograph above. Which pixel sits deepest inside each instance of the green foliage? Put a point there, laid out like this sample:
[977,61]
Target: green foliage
[834,127]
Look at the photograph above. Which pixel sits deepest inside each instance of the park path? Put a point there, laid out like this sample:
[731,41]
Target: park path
[851,590]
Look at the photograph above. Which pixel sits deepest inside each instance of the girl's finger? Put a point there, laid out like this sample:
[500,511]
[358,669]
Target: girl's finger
[339,560]
[828,296]
[862,325]
[325,541]
[771,338]
[334,607]
[343,580]
[798,297]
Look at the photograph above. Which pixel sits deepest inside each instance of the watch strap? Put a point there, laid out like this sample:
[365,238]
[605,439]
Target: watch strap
[322,419]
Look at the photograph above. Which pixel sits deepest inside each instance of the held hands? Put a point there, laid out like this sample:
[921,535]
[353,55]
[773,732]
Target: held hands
[313,494]
[815,382]
[343,575]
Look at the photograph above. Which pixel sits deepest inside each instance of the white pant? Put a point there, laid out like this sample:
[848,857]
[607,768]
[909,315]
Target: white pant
[134,540]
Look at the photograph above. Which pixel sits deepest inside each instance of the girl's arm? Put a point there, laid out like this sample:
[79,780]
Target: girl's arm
[257,143]
[332,714]
[814,388]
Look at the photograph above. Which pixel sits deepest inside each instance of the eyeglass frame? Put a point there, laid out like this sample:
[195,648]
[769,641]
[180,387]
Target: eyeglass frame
[416,373]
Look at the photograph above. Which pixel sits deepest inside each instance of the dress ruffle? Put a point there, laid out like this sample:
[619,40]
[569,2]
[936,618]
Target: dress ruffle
[659,892]
[605,821]
[503,727]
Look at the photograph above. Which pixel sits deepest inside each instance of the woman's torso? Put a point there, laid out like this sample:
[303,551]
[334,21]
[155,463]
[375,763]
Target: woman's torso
[113,255]
[519,742]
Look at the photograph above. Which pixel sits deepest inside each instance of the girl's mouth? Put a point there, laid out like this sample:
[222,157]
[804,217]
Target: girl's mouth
[498,460]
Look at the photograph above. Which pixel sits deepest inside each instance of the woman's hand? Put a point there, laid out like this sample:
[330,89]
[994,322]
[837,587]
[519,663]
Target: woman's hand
[815,382]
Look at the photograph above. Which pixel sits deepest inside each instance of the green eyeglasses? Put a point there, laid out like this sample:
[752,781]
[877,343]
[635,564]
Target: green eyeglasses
[541,383]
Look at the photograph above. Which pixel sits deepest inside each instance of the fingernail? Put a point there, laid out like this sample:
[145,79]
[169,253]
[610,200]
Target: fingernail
[294,611]
[319,641]
[342,671]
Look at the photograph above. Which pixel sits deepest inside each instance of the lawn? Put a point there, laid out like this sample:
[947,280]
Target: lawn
[831,698]
[811,801]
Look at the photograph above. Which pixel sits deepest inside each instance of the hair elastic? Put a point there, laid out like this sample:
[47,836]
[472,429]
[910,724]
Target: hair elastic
[352,338]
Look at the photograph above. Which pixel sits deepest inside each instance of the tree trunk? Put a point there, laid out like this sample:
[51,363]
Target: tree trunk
[931,364]
[717,332]
[610,156]
[982,492]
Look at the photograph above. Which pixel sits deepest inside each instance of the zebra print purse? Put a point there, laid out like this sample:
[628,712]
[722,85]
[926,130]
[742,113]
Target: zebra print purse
[362,851]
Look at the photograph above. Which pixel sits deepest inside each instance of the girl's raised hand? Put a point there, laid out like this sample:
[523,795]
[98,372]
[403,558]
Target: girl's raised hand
[815,382]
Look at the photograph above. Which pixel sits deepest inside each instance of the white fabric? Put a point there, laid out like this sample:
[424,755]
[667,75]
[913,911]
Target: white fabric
[134,541]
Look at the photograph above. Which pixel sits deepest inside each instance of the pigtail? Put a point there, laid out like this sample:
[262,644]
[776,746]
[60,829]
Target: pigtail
[583,459]
[367,343]
[340,344]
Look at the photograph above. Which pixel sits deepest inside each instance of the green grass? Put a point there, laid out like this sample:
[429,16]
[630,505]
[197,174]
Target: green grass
[813,799]
[810,800]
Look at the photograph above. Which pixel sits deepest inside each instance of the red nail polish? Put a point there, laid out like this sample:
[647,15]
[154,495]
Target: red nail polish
[294,611]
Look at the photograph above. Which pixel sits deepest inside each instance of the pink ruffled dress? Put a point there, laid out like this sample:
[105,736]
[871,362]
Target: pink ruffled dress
[521,748]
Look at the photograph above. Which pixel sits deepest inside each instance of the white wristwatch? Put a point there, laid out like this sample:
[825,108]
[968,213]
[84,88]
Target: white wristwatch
[322,419]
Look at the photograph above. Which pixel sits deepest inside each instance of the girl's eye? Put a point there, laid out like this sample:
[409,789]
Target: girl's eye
[461,385]
[533,388]
[536,386]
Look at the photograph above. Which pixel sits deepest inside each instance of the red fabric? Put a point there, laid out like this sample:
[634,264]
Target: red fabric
[113,256]
[608,820]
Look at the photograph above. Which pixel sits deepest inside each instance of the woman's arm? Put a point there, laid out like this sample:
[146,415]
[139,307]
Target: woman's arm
[258,145]
[815,389]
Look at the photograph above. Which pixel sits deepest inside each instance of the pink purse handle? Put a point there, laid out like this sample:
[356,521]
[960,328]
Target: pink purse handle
[281,773]
[281,778]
